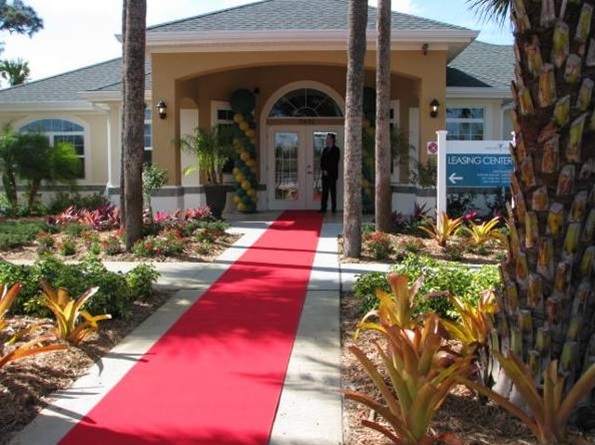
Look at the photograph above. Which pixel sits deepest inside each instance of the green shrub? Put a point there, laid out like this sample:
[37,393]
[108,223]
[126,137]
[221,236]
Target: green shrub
[439,277]
[74,229]
[67,247]
[140,281]
[15,234]
[379,244]
[365,288]
[116,293]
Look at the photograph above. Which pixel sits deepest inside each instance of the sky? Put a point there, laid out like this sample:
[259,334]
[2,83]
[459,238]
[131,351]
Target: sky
[79,33]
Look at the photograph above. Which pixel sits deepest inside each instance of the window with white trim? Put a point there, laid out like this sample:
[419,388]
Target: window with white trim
[305,102]
[222,115]
[61,131]
[465,123]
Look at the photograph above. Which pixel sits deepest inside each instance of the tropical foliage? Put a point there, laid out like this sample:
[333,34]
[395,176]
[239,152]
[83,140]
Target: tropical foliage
[416,372]
[73,323]
[443,229]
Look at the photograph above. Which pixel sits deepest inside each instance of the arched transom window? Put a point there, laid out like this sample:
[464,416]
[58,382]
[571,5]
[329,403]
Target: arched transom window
[305,102]
[60,130]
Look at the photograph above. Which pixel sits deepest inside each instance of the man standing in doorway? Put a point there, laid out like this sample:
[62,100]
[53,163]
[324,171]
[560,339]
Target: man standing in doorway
[329,169]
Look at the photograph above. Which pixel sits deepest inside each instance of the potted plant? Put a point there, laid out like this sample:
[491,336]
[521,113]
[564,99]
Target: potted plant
[213,149]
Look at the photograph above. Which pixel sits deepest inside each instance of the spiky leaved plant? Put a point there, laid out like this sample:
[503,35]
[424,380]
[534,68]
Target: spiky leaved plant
[548,301]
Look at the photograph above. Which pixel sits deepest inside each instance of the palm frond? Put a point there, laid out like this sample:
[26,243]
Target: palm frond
[497,11]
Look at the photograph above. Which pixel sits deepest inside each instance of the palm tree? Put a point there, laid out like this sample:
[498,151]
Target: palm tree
[15,71]
[352,202]
[383,204]
[134,24]
[548,297]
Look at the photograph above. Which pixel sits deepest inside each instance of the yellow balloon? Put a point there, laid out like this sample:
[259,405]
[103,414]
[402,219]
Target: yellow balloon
[250,162]
[250,133]
[244,126]
[242,207]
[240,178]
[238,118]
[246,185]
[237,199]
[245,156]
[235,171]
[253,141]
[251,193]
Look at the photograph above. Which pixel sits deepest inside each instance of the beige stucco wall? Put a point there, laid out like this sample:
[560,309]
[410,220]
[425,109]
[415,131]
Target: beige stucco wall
[207,77]
[96,138]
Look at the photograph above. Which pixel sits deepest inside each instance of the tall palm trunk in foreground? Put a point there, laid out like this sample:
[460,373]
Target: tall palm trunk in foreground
[382,203]
[134,16]
[548,302]
[352,201]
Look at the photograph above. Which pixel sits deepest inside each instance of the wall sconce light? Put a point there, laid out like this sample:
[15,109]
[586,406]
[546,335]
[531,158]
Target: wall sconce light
[161,109]
[434,105]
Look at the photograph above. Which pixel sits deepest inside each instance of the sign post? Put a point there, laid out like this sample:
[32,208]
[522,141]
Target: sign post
[441,175]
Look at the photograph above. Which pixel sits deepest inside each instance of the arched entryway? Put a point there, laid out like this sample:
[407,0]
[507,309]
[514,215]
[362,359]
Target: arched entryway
[297,119]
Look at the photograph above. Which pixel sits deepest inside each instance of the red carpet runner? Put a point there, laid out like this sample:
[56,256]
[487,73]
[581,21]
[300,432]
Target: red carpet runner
[216,376]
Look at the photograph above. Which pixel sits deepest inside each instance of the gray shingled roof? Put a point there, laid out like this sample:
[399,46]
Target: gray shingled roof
[479,65]
[482,65]
[105,76]
[269,15]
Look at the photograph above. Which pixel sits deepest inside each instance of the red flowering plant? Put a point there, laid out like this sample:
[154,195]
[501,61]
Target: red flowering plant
[379,244]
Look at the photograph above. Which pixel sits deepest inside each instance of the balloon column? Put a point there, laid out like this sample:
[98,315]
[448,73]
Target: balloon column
[242,104]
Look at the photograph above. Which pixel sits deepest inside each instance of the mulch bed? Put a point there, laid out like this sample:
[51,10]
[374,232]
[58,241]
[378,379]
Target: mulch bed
[26,385]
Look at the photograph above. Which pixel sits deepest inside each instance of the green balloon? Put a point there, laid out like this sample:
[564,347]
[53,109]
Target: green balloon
[242,101]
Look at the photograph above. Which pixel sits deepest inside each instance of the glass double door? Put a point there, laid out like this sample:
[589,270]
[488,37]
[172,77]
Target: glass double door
[294,180]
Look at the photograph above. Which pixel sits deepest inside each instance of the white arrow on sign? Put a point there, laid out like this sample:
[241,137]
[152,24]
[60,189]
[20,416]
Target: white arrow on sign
[453,178]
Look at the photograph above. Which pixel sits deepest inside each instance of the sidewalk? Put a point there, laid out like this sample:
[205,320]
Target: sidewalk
[310,407]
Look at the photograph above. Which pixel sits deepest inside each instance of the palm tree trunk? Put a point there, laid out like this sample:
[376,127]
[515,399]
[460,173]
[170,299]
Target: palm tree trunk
[352,202]
[133,117]
[548,301]
[383,204]
[122,157]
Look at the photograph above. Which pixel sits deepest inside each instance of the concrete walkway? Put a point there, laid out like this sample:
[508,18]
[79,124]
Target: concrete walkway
[310,408]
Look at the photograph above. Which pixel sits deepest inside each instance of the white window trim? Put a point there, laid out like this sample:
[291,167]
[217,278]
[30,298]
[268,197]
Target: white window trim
[483,120]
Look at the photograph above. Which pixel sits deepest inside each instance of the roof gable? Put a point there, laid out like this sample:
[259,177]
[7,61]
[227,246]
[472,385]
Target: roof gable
[269,15]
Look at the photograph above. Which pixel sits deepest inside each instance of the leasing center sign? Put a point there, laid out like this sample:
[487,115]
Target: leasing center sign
[478,169]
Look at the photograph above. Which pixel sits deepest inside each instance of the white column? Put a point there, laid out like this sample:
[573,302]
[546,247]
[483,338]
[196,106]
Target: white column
[114,149]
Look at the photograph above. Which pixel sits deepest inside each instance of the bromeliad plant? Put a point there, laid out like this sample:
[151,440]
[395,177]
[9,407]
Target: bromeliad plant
[34,346]
[480,234]
[443,229]
[473,328]
[396,309]
[548,407]
[73,323]
[420,372]
[7,297]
